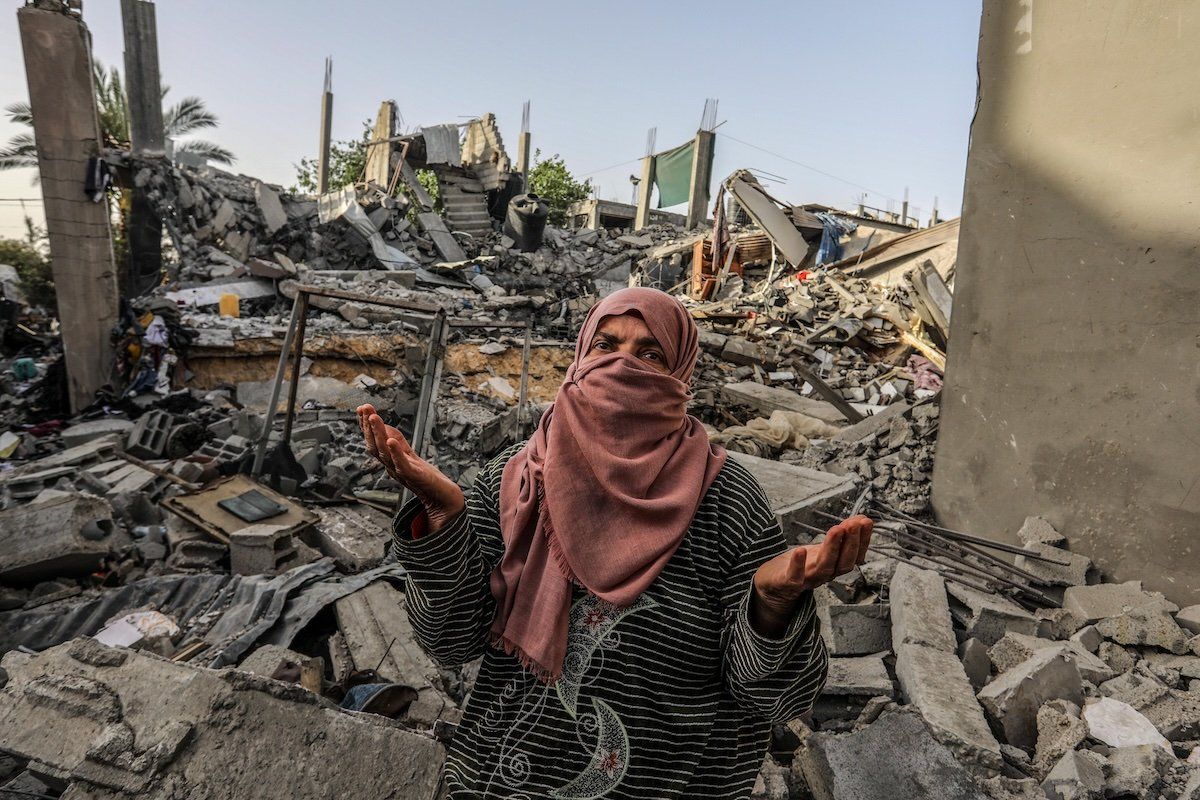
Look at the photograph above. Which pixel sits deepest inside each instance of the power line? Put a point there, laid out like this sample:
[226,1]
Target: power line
[20,199]
[614,166]
[807,166]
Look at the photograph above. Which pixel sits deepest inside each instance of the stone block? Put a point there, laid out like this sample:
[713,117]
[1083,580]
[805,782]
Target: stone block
[987,617]
[935,683]
[865,676]
[120,722]
[261,549]
[1016,648]
[739,350]
[148,437]
[356,536]
[919,609]
[1145,626]
[797,493]
[892,758]
[67,534]
[1078,775]
[1137,771]
[1014,697]
[83,432]
[974,657]
[856,629]
[1189,619]
[1175,713]
[1036,530]
[1094,603]
[1060,729]
[1075,573]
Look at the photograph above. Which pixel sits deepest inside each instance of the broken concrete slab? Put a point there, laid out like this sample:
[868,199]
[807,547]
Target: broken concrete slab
[67,534]
[856,629]
[1175,713]
[1145,626]
[901,752]
[1076,572]
[1014,697]
[1060,729]
[1094,603]
[273,214]
[1189,619]
[919,609]
[1137,771]
[974,657]
[1078,775]
[120,720]
[796,493]
[84,432]
[1036,530]
[936,684]
[356,536]
[1016,648]
[378,635]
[261,549]
[267,658]
[865,676]
[987,617]
[766,399]
[1118,724]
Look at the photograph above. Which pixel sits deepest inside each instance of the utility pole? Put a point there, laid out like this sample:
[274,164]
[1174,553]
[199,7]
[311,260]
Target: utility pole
[66,127]
[326,127]
[523,148]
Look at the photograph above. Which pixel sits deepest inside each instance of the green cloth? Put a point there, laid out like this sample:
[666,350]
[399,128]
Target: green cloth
[673,175]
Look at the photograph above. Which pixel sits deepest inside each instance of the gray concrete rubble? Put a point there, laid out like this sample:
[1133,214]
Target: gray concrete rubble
[113,720]
[211,513]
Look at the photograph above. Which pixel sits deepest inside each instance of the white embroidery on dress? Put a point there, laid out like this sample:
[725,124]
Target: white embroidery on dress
[591,632]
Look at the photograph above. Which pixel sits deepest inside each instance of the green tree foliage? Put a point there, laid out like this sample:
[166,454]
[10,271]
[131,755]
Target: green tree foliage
[36,279]
[552,181]
[347,160]
[182,119]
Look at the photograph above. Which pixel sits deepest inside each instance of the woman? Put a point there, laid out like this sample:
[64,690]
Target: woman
[640,618]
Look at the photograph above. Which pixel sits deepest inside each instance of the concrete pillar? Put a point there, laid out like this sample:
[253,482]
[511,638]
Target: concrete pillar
[326,128]
[703,147]
[523,158]
[1072,382]
[642,218]
[58,68]
[143,90]
[143,87]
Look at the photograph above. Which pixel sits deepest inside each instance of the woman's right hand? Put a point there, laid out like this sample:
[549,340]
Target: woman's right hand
[442,498]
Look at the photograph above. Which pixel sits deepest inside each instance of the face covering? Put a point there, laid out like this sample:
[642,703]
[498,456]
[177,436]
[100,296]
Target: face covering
[605,490]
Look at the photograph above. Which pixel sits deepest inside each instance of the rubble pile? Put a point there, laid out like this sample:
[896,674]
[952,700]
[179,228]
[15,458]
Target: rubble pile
[957,693]
[195,567]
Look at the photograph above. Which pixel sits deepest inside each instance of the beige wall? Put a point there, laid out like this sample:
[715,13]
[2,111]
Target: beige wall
[1073,383]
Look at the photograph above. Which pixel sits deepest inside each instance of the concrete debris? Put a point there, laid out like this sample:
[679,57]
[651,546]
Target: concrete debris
[901,753]
[1012,700]
[94,714]
[1078,775]
[143,519]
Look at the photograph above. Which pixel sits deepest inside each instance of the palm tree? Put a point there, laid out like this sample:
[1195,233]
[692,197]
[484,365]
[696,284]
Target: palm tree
[183,118]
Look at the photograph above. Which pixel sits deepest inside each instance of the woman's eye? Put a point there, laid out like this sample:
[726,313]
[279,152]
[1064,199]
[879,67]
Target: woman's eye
[652,356]
[600,345]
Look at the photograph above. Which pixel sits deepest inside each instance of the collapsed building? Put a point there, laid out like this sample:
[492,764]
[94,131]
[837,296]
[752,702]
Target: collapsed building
[194,568]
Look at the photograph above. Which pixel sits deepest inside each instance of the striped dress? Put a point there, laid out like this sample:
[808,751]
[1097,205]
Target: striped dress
[672,697]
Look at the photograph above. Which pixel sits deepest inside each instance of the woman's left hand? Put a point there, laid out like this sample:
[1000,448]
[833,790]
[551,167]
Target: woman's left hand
[779,582]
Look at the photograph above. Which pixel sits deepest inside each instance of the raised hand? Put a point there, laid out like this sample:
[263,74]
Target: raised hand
[441,497]
[779,582]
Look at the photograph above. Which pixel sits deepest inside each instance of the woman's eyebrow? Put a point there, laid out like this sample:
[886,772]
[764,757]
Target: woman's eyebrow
[648,341]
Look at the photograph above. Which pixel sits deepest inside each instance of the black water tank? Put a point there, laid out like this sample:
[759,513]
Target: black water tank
[526,221]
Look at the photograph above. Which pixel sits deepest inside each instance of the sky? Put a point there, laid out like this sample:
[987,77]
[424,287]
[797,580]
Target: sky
[830,100]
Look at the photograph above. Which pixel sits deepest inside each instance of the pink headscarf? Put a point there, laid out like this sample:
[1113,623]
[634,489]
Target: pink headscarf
[606,488]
